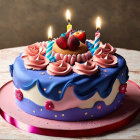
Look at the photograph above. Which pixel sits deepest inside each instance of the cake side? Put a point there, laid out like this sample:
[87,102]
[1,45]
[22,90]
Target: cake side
[107,81]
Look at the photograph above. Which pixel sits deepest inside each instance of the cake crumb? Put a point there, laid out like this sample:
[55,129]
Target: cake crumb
[45,89]
[55,116]
[41,109]
[59,91]
[42,73]
[62,115]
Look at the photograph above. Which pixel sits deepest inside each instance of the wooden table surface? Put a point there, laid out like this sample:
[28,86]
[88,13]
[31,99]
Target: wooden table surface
[131,131]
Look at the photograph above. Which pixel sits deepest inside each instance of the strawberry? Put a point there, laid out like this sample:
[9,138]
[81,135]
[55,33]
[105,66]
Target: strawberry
[68,33]
[61,42]
[81,35]
[73,42]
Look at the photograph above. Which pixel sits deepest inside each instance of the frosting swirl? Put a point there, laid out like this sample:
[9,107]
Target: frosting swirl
[88,68]
[59,68]
[103,59]
[33,57]
[33,49]
[107,48]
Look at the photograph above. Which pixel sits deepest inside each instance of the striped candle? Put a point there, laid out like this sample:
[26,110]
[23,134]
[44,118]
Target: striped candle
[97,40]
[97,36]
[49,51]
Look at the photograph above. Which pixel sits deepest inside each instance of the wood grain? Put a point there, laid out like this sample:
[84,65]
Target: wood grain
[131,131]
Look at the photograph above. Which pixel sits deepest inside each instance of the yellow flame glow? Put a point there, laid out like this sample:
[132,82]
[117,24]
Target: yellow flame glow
[50,32]
[68,15]
[98,23]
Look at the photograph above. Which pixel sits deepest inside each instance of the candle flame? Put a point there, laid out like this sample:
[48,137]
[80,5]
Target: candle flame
[98,23]
[50,33]
[68,15]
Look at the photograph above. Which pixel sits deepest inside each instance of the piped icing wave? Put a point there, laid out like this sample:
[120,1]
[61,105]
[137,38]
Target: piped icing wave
[104,60]
[26,79]
[72,58]
[59,68]
[107,48]
[33,57]
[88,68]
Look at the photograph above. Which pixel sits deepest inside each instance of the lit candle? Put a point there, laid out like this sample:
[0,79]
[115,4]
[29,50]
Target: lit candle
[50,33]
[97,34]
[68,17]
[50,46]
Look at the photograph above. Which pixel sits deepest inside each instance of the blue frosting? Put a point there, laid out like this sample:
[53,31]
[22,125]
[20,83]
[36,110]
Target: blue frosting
[84,86]
[11,69]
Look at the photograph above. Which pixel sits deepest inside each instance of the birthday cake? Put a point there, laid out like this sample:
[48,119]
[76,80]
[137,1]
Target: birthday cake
[69,79]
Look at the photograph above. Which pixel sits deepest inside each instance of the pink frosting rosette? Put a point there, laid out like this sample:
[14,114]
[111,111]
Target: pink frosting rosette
[88,68]
[33,57]
[59,68]
[33,49]
[107,48]
[103,59]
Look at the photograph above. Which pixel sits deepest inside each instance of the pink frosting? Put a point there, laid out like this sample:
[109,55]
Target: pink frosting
[59,68]
[33,57]
[33,49]
[103,59]
[107,48]
[71,59]
[88,68]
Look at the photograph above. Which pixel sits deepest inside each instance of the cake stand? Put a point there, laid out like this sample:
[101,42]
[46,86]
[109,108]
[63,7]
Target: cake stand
[32,124]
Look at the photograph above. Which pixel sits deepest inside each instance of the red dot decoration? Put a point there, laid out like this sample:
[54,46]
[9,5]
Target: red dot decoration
[122,88]
[49,105]
[19,95]
[99,107]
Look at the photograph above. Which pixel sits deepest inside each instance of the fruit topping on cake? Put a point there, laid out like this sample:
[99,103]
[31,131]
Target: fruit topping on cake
[68,34]
[81,35]
[62,42]
[73,42]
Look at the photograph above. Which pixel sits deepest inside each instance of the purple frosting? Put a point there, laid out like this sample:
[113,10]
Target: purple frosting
[74,114]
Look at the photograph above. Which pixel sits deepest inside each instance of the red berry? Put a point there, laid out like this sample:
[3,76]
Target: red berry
[61,42]
[81,35]
[73,42]
[68,33]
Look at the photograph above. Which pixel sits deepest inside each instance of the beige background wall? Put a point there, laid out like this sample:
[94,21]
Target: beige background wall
[24,22]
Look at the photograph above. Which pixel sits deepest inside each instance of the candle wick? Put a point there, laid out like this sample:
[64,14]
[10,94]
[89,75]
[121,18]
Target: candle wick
[50,38]
[69,21]
[98,30]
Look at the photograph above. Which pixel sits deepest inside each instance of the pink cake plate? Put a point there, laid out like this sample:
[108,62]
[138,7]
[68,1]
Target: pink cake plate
[16,117]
